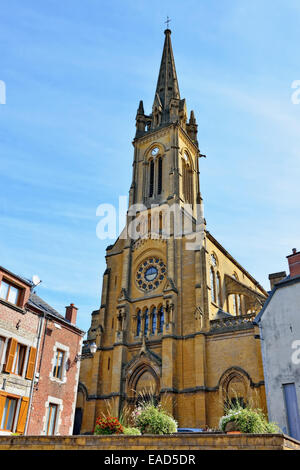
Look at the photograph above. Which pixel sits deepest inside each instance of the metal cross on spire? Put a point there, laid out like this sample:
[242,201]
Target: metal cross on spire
[168,21]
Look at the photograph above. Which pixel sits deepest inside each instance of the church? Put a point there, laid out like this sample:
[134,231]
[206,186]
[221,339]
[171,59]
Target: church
[176,319]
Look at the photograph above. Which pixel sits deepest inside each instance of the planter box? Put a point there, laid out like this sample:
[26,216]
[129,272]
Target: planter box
[190,441]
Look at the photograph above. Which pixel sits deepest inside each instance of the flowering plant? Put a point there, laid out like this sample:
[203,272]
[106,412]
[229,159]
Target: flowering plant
[136,413]
[151,419]
[248,420]
[108,425]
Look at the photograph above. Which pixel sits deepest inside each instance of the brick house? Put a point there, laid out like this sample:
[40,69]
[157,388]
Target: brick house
[39,364]
[18,346]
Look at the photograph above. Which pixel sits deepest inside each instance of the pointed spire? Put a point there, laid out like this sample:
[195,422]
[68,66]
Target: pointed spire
[140,120]
[168,107]
[192,118]
[141,109]
[167,84]
[192,128]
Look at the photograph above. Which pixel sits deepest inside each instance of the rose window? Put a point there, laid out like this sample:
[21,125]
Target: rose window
[150,274]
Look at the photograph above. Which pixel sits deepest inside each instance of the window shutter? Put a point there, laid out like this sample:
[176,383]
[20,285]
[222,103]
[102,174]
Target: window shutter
[22,415]
[11,355]
[31,364]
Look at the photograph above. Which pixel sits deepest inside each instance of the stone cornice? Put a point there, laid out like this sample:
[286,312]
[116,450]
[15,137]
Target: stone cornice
[198,389]
[148,137]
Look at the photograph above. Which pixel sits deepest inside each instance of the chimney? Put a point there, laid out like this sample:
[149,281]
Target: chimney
[294,263]
[71,314]
[276,277]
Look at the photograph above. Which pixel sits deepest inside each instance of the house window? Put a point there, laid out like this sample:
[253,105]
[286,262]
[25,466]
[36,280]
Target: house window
[9,414]
[2,343]
[19,360]
[51,419]
[9,292]
[58,364]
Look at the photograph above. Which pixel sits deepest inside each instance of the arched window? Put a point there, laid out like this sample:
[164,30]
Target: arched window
[212,284]
[234,301]
[154,321]
[149,225]
[239,305]
[160,222]
[161,319]
[213,260]
[187,179]
[146,324]
[159,185]
[219,292]
[234,386]
[151,183]
[138,323]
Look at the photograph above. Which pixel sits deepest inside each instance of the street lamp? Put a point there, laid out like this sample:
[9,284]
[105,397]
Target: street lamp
[92,348]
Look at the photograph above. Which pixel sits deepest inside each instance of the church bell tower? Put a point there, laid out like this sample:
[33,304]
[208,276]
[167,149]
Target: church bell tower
[160,299]
[166,147]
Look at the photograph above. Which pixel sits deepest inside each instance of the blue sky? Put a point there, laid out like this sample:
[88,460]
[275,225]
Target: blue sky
[75,72]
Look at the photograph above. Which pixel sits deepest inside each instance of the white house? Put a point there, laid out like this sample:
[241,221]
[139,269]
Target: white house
[279,323]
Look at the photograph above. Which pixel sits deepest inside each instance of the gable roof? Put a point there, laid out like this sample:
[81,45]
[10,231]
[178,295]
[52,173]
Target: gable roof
[287,281]
[234,261]
[39,303]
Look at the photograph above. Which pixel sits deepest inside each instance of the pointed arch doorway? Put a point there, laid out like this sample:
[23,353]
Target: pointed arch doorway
[146,388]
[143,382]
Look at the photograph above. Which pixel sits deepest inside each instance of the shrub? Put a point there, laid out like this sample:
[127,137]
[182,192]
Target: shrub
[154,420]
[132,431]
[108,425]
[272,428]
[248,421]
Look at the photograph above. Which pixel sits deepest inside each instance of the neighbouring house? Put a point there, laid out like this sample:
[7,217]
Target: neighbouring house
[18,346]
[39,361]
[57,370]
[279,323]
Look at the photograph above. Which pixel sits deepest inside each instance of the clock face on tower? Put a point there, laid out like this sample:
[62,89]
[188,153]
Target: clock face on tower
[150,274]
[154,151]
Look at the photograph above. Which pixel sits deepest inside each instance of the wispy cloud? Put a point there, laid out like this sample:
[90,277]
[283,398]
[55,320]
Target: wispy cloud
[75,73]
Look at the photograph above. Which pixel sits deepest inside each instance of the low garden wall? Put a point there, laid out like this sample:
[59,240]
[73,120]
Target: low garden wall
[194,441]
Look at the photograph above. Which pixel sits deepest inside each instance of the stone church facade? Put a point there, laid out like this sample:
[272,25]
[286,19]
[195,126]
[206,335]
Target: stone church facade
[174,322]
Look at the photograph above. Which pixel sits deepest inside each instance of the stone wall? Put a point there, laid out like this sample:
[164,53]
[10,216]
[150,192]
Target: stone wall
[191,442]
